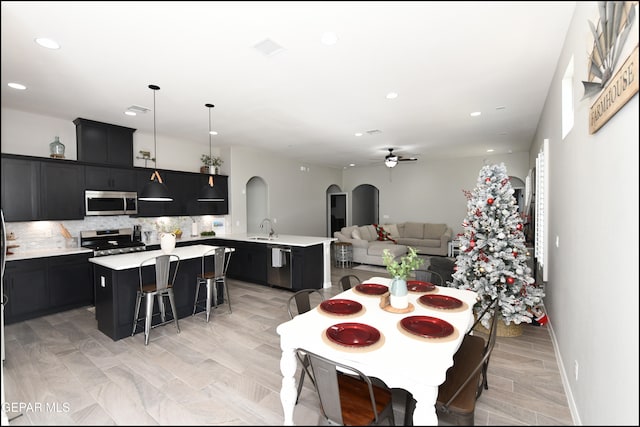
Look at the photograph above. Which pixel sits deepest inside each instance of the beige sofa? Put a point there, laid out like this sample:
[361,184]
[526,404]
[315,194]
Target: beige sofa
[425,238]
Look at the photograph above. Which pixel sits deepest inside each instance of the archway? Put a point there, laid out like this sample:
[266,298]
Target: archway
[365,205]
[257,203]
[337,209]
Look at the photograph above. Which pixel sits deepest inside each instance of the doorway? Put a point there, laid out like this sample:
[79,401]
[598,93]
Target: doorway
[257,203]
[337,212]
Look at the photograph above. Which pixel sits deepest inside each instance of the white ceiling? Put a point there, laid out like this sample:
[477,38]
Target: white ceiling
[444,59]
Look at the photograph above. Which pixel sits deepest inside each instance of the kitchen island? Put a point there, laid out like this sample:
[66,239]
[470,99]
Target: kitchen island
[116,282]
[306,262]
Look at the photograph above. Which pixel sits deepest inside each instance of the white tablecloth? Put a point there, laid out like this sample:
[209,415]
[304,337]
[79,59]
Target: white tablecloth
[415,364]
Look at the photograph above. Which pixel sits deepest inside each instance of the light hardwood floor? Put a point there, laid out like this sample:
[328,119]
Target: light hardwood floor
[62,370]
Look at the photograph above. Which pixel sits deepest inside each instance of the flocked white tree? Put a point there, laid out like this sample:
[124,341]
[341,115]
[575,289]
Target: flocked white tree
[493,255]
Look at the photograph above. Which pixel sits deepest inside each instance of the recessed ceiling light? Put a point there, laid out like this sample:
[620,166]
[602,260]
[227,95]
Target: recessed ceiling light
[48,43]
[392,95]
[501,107]
[329,38]
[358,134]
[475,114]
[490,150]
[16,86]
[130,113]
[213,132]
[352,164]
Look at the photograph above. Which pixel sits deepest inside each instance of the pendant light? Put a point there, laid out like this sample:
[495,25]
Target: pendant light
[155,190]
[208,192]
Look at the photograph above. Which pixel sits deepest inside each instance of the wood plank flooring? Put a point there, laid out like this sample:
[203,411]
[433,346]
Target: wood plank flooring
[60,370]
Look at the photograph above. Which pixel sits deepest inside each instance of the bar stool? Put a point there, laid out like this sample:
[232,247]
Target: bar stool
[343,253]
[163,287]
[211,278]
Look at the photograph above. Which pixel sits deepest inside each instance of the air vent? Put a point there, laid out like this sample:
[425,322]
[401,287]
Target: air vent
[268,47]
[138,109]
[374,131]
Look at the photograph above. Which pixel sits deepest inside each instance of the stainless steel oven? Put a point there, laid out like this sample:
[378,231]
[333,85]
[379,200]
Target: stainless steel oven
[110,202]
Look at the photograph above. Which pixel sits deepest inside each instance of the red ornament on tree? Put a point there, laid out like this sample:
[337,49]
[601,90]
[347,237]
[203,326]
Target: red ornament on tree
[472,243]
[490,200]
[519,226]
[514,253]
[510,280]
[487,180]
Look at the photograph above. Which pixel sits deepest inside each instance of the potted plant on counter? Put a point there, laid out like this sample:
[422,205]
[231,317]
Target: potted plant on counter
[211,164]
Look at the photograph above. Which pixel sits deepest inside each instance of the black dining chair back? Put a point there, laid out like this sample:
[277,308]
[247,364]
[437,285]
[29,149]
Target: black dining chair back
[349,281]
[348,396]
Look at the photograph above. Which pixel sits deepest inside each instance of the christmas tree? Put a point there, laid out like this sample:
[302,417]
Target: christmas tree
[493,256]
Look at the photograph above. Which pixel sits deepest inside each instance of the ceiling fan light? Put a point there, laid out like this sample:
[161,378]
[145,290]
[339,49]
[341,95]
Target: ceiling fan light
[391,161]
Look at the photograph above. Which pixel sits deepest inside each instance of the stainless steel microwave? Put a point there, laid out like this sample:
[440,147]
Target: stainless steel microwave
[110,202]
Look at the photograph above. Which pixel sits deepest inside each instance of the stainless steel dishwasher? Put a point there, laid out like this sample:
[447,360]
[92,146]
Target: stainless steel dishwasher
[279,266]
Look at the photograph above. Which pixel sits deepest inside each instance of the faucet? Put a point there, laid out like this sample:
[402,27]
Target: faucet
[272,232]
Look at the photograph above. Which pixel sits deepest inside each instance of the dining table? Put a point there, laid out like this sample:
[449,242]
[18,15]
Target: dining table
[410,349]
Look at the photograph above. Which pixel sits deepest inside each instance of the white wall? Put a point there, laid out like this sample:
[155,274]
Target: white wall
[429,190]
[30,134]
[592,291]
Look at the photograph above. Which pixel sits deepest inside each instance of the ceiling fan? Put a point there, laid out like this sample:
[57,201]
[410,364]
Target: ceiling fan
[391,159]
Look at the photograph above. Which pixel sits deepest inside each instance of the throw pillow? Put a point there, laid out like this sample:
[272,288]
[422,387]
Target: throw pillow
[355,234]
[393,230]
[382,234]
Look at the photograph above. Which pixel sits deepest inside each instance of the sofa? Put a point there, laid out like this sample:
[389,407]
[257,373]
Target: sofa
[369,241]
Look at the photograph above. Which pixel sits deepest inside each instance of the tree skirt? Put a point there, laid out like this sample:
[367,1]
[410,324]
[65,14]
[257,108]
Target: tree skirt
[510,330]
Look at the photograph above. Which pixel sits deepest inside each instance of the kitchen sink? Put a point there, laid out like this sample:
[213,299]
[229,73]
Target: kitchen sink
[261,238]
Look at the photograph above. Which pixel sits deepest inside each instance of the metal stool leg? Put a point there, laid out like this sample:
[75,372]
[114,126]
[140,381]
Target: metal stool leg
[173,307]
[195,301]
[136,313]
[209,291]
[147,319]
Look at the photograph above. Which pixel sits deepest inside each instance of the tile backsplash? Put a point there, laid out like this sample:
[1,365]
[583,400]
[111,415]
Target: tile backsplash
[36,235]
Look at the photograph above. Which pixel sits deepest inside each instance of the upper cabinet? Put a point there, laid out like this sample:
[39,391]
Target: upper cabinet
[104,143]
[20,189]
[110,178]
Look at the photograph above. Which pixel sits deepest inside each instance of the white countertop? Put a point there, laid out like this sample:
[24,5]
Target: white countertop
[43,253]
[133,259]
[281,239]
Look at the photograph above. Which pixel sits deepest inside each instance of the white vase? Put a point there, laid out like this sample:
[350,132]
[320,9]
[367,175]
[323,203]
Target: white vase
[167,242]
[399,294]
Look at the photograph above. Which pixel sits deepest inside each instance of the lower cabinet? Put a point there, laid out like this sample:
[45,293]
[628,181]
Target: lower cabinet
[116,297]
[37,287]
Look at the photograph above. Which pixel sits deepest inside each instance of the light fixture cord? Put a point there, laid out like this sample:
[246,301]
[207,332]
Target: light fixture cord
[209,132]
[155,145]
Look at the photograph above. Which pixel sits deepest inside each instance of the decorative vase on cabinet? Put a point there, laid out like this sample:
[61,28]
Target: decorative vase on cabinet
[56,149]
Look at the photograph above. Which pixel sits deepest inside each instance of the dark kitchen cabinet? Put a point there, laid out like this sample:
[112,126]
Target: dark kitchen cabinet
[62,190]
[70,281]
[307,265]
[110,178]
[20,189]
[25,286]
[37,287]
[104,143]
[183,186]
[249,261]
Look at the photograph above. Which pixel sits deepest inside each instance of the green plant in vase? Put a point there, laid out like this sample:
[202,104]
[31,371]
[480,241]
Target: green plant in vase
[211,163]
[400,270]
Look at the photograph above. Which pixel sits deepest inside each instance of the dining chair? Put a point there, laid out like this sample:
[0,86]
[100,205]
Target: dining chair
[166,268]
[213,275]
[429,276]
[348,396]
[348,281]
[302,300]
[465,380]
